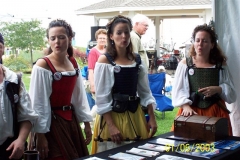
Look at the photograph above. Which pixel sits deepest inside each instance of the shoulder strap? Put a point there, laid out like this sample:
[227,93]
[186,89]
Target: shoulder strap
[74,62]
[189,61]
[12,90]
[190,64]
[110,59]
[49,63]
[138,59]
[219,65]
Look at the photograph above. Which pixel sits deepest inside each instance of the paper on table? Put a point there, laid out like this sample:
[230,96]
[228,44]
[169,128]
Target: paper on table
[143,152]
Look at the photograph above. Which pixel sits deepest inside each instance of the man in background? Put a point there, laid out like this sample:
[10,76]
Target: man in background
[140,25]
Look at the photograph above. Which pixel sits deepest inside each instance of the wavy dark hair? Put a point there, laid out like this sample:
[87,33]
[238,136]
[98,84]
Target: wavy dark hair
[69,31]
[216,55]
[111,49]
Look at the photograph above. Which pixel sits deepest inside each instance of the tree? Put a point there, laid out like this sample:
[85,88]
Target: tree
[25,35]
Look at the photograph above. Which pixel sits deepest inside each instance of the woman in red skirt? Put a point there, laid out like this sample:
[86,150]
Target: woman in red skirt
[58,96]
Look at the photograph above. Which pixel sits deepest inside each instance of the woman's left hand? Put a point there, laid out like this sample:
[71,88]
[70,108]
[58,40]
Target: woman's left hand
[210,90]
[88,132]
[152,124]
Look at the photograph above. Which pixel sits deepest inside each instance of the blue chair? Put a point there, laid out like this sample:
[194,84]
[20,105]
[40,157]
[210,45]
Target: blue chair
[84,72]
[91,101]
[157,86]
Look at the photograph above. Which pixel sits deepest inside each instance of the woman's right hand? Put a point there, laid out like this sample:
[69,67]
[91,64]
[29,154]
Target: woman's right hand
[187,110]
[42,145]
[116,135]
[92,89]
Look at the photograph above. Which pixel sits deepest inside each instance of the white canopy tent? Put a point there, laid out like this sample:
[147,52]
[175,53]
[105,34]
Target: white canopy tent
[156,10]
[227,24]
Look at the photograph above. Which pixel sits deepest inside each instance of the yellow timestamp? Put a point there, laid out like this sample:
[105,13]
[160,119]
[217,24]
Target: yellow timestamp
[186,147]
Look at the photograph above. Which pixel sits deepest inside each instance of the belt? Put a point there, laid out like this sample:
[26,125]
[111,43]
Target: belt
[63,108]
[124,97]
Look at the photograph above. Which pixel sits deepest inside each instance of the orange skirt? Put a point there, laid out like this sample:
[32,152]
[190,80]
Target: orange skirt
[213,111]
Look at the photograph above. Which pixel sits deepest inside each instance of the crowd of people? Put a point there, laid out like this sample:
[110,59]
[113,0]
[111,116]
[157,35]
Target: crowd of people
[57,102]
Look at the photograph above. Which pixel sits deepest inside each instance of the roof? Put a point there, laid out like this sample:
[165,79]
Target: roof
[106,4]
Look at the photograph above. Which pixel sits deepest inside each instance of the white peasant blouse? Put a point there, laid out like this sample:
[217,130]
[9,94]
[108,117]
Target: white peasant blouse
[181,90]
[40,91]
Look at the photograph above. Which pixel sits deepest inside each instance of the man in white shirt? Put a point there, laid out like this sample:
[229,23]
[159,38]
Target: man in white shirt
[140,25]
[14,131]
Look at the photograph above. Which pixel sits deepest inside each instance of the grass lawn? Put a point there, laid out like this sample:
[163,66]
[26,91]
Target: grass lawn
[164,125]
[26,80]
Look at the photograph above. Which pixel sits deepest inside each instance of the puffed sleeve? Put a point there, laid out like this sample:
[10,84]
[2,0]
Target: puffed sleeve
[25,110]
[143,88]
[226,83]
[80,103]
[40,91]
[180,89]
[104,80]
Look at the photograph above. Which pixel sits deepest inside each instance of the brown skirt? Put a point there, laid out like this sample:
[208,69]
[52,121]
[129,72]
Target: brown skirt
[65,139]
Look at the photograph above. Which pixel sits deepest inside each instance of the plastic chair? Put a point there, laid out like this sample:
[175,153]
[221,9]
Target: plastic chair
[157,86]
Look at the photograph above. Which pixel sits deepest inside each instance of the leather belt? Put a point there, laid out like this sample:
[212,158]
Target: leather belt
[124,97]
[63,108]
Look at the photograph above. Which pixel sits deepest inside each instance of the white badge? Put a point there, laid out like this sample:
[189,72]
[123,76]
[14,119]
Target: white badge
[16,98]
[57,76]
[117,69]
[191,71]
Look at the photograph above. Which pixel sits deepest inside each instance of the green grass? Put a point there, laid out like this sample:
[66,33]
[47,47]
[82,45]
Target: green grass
[26,80]
[164,125]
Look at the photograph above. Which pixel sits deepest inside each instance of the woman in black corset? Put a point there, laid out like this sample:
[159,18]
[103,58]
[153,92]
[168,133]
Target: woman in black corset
[121,85]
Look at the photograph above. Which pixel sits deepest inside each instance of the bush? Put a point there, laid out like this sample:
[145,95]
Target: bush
[17,64]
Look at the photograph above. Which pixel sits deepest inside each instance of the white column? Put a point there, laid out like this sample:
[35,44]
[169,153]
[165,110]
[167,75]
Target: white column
[96,21]
[209,15]
[161,33]
[131,14]
[204,18]
[157,27]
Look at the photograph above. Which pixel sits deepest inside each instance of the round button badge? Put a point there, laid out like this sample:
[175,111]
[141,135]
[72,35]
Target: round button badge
[191,71]
[117,69]
[57,76]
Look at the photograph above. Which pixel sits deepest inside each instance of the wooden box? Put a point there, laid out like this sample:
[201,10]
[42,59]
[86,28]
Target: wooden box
[201,127]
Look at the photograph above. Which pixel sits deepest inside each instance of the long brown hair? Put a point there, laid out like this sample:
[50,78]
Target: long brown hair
[111,48]
[216,55]
[69,31]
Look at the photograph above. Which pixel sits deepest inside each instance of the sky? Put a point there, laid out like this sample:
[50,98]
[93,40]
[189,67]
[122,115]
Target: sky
[174,30]
[47,10]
